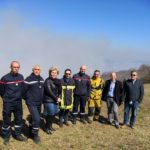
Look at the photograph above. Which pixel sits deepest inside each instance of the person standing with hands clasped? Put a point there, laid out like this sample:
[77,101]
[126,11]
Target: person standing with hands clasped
[52,94]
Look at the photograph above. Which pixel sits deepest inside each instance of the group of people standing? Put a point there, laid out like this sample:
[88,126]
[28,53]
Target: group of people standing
[63,97]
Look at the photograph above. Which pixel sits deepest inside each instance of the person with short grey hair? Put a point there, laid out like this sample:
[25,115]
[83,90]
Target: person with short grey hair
[133,95]
[11,86]
[112,94]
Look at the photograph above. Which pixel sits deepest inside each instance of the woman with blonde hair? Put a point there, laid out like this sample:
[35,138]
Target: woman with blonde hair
[52,93]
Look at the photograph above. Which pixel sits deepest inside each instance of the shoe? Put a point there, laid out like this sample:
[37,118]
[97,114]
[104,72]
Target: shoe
[48,131]
[83,121]
[89,120]
[52,129]
[110,123]
[21,138]
[66,123]
[123,126]
[132,127]
[6,141]
[117,126]
[36,139]
[61,125]
[96,118]
[74,121]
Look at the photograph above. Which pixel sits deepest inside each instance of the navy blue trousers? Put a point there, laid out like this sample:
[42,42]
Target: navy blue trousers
[9,108]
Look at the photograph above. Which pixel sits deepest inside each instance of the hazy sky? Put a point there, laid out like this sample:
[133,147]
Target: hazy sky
[103,34]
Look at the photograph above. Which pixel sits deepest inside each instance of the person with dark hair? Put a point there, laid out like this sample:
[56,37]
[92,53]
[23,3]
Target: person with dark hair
[81,93]
[33,95]
[133,95]
[11,93]
[112,94]
[52,94]
[94,103]
[67,96]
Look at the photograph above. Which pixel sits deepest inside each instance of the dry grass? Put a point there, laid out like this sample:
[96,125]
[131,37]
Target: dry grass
[95,136]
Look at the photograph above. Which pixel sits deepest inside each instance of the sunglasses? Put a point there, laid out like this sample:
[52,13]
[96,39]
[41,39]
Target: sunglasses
[68,73]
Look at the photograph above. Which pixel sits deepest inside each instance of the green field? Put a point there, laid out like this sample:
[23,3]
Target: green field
[95,136]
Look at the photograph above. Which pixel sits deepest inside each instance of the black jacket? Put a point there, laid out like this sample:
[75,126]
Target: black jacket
[52,90]
[82,84]
[33,90]
[118,92]
[11,86]
[133,91]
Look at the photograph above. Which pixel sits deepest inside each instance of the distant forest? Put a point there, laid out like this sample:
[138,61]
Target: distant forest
[143,74]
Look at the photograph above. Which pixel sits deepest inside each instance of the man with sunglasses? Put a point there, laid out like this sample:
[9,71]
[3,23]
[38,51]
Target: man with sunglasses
[11,93]
[133,94]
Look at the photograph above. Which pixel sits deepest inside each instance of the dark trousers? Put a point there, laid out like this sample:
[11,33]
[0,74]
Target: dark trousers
[63,115]
[134,108]
[79,100]
[9,108]
[34,121]
[92,112]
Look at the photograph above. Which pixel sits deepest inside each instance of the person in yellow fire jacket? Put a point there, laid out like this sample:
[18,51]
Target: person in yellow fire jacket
[94,103]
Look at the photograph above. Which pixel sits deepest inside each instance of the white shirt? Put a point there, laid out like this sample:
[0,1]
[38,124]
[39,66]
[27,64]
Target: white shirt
[111,89]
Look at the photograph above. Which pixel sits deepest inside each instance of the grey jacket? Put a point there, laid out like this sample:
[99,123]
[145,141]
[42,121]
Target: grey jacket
[133,91]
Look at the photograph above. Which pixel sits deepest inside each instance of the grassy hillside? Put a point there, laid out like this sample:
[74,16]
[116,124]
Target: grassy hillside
[143,74]
[94,136]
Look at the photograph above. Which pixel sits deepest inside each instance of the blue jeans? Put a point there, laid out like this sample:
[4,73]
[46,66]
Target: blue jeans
[134,108]
[51,108]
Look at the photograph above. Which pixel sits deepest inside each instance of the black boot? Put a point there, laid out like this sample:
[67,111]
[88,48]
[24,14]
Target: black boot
[74,119]
[48,123]
[6,141]
[51,123]
[18,135]
[82,119]
[36,137]
[30,132]
[60,120]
